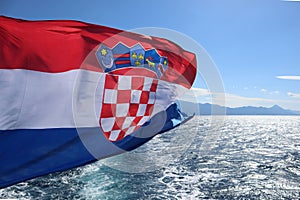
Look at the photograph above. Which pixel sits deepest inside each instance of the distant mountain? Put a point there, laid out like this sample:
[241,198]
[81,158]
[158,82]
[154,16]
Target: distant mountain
[206,109]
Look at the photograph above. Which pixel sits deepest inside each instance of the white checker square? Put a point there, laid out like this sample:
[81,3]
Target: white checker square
[114,135]
[127,122]
[147,83]
[151,98]
[122,109]
[142,109]
[143,120]
[110,96]
[124,83]
[107,123]
[130,130]
[135,96]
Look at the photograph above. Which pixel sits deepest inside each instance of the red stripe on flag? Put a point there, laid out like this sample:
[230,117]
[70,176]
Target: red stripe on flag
[55,46]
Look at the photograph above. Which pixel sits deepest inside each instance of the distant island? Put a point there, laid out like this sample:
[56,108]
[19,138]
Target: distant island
[206,109]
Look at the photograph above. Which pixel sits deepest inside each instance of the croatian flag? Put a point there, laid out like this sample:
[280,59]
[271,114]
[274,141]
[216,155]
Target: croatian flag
[72,93]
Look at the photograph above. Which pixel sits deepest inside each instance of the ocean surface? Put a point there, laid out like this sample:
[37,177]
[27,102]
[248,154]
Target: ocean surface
[246,157]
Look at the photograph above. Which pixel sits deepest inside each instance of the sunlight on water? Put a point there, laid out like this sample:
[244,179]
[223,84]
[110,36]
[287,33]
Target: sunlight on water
[253,157]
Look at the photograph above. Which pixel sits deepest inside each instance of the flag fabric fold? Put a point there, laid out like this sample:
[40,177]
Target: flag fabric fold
[73,92]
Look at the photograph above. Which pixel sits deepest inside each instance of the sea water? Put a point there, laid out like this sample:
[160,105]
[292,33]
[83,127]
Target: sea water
[243,157]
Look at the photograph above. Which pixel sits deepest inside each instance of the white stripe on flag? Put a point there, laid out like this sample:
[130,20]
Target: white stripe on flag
[36,100]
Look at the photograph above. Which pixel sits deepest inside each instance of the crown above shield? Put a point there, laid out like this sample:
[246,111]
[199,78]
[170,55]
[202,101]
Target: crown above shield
[121,56]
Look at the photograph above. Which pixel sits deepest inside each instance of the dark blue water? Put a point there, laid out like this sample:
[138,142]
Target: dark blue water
[248,157]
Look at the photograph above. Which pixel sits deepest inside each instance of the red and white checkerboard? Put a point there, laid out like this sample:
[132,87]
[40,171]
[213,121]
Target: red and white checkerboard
[127,104]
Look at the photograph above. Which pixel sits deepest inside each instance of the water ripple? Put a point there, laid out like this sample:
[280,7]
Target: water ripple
[253,157]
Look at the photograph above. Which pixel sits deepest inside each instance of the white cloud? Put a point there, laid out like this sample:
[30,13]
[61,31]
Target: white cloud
[263,90]
[293,95]
[231,100]
[201,91]
[296,78]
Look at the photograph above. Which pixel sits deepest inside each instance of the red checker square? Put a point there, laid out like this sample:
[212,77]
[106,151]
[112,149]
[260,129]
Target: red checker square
[118,123]
[123,96]
[111,81]
[121,135]
[154,85]
[106,134]
[137,83]
[144,97]
[108,110]
[133,108]
[136,121]
[149,109]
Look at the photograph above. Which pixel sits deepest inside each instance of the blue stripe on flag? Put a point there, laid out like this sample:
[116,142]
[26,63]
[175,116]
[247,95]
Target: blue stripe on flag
[29,153]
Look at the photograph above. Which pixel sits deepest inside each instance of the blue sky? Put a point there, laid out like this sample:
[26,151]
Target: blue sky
[251,41]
